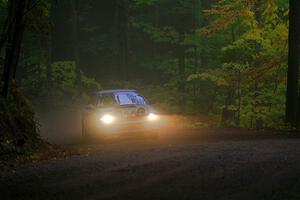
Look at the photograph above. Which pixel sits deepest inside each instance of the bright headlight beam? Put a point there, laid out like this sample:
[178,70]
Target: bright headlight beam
[152,117]
[107,119]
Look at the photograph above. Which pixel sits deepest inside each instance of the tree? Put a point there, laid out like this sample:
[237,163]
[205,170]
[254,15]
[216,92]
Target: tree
[251,68]
[65,32]
[122,14]
[16,20]
[292,90]
[229,61]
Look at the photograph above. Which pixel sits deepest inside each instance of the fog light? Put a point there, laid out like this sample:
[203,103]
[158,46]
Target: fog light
[107,119]
[152,117]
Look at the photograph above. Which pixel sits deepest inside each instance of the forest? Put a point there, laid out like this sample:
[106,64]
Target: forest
[236,62]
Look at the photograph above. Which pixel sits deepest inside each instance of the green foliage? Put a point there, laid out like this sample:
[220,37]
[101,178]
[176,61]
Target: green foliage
[211,75]
[67,86]
[63,78]
[268,106]
[192,57]
[145,2]
[253,65]
[19,132]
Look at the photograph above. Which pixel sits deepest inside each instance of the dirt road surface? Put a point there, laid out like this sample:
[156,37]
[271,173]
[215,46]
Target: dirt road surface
[211,165]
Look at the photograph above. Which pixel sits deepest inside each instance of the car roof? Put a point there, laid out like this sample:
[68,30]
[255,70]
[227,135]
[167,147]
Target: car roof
[114,91]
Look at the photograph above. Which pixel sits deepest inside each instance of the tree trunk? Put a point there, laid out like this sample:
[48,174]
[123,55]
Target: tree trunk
[49,58]
[123,38]
[181,69]
[258,16]
[75,35]
[298,112]
[228,114]
[9,21]
[13,46]
[239,96]
[197,25]
[64,34]
[293,63]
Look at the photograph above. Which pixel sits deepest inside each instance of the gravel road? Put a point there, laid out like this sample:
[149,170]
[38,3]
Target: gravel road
[251,167]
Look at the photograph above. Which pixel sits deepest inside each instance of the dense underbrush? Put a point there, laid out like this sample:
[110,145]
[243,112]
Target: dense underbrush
[18,127]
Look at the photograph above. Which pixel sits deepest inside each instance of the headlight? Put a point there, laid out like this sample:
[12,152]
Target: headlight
[107,119]
[152,117]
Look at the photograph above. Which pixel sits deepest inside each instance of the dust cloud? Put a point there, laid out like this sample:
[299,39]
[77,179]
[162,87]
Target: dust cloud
[60,127]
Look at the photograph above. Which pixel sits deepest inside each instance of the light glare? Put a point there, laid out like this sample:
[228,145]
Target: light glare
[107,119]
[152,117]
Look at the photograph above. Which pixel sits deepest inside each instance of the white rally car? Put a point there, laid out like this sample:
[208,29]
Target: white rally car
[119,111]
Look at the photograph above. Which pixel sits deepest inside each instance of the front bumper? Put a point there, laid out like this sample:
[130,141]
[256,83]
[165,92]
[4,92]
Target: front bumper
[128,126]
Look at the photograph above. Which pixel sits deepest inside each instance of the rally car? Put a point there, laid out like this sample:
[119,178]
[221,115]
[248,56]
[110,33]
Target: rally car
[119,111]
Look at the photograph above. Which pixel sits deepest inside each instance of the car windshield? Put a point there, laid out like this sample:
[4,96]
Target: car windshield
[129,98]
[121,98]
